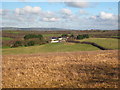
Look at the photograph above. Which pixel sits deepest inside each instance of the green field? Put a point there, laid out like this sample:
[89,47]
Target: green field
[116,36]
[6,38]
[109,43]
[52,47]
[11,31]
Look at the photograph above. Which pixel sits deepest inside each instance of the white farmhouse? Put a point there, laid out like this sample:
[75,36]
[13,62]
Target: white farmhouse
[54,40]
[58,39]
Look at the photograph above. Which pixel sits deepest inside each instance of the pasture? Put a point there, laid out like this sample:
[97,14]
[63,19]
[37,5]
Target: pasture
[5,38]
[109,43]
[52,47]
[11,31]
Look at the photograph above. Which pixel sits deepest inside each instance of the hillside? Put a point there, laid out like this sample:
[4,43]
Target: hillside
[86,69]
[51,47]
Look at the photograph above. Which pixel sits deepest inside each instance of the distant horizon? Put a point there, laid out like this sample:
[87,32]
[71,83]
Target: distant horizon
[46,28]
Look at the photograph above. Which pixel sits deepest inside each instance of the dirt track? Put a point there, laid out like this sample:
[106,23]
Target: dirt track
[94,69]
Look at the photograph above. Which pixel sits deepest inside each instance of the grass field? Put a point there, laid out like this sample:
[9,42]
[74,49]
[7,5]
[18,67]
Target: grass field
[6,38]
[52,47]
[116,36]
[105,42]
[10,31]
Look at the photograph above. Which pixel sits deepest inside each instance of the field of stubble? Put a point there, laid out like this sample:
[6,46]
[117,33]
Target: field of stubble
[87,69]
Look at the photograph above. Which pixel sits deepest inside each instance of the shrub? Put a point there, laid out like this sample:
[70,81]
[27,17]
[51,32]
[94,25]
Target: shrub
[82,36]
[104,30]
[86,36]
[17,44]
[31,43]
[25,45]
[64,35]
[72,36]
[40,36]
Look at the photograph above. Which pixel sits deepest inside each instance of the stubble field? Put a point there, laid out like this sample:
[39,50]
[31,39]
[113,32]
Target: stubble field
[84,69]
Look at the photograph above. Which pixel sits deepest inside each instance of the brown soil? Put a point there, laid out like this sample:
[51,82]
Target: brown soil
[88,69]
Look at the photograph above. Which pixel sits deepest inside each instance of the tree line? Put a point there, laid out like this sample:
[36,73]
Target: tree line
[30,40]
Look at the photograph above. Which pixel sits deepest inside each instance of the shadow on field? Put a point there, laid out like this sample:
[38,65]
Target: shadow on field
[90,76]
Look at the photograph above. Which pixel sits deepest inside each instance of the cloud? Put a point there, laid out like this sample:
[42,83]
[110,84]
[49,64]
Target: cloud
[1,11]
[47,14]
[50,19]
[29,13]
[105,16]
[4,11]
[21,0]
[66,11]
[93,17]
[77,4]
[66,14]
[82,12]
[104,20]
[28,9]
[32,9]
[18,11]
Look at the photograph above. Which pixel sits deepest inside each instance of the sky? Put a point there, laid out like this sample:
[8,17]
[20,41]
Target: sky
[68,15]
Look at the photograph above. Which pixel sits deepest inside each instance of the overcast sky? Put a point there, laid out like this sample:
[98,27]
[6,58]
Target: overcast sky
[69,15]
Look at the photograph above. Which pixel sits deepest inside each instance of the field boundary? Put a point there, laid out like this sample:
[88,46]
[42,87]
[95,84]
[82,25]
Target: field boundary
[91,43]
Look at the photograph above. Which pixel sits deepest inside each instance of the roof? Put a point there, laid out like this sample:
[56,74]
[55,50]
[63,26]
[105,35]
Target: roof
[59,37]
[54,38]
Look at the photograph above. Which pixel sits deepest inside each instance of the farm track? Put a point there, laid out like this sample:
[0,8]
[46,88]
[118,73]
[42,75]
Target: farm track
[86,69]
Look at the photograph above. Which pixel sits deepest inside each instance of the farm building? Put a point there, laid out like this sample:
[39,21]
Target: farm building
[58,39]
[54,40]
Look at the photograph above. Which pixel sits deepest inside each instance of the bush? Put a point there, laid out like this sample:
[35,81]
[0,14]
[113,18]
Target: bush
[30,43]
[40,36]
[82,36]
[64,35]
[17,44]
[72,36]
[86,36]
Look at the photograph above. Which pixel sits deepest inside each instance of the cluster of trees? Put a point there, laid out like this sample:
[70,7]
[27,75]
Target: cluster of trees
[82,36]
[21,43]
[76,37]
[64,35]
[30,40]
[17,44]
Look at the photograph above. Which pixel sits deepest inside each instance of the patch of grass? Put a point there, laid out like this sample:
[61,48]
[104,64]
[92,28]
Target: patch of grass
[52,47]
[6,38]
[110,43]
[5,47]
[116,36]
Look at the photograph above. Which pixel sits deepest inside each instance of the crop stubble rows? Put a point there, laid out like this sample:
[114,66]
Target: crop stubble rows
[86,69]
